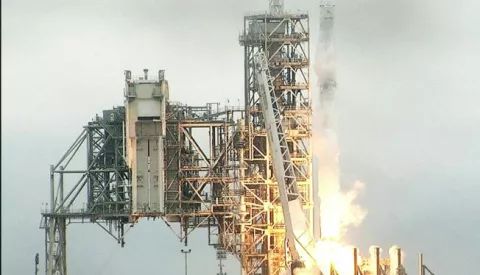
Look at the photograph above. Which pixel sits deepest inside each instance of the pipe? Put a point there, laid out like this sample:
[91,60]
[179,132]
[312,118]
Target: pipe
[395,259]
[60,189]
[355,261]
[51,223]
[421,270]
[375,260]
[243,206]
[52,189]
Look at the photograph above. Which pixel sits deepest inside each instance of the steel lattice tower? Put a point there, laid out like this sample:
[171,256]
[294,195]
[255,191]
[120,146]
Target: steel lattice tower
[285,39]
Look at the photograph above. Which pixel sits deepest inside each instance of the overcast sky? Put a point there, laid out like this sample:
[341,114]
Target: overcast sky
[409,122]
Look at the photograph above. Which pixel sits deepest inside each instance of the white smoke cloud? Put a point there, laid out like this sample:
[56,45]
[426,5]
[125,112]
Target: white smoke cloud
[352,215]
[325,65]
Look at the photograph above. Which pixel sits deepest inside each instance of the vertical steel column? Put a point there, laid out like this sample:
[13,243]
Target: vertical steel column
[55,242]
[355,261]
[49,241]
[62,229]
[376,256]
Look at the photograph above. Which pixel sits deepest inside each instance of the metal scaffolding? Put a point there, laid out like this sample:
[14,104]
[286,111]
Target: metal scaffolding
[104,181]
[217,163]
[226,183]
[284,37]
[201,188]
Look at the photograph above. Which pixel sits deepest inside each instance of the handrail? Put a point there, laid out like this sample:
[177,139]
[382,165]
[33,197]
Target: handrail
[285,13]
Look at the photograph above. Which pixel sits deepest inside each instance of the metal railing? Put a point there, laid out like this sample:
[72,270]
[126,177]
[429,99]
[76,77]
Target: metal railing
[260,36]
[78,211]
[142,77]
[267,13]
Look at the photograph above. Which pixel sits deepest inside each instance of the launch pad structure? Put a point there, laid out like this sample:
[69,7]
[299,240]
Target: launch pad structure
[145,159]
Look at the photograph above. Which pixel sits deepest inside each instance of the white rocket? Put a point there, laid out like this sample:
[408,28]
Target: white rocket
[325,63]
[326,149]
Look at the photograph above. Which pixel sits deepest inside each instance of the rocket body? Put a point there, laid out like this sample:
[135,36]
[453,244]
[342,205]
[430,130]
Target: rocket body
[326,72]
[326,150]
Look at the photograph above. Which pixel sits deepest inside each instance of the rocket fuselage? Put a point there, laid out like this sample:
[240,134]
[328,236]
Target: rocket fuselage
[326,61]
[327,20]
[326,151]
[326,64]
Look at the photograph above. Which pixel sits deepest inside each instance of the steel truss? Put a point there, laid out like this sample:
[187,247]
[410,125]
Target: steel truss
[285,40]
[105,182]
[201,186]
[226,185]
[223,183]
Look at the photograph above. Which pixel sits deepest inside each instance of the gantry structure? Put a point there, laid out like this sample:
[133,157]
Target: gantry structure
[284,38]
[200,180]
[103,184]
[225,185]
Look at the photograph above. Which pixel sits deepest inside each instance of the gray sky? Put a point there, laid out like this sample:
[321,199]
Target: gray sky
[408,116]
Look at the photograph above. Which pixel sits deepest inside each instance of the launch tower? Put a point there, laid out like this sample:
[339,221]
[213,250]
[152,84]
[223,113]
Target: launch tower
[284,37]
[146,160]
